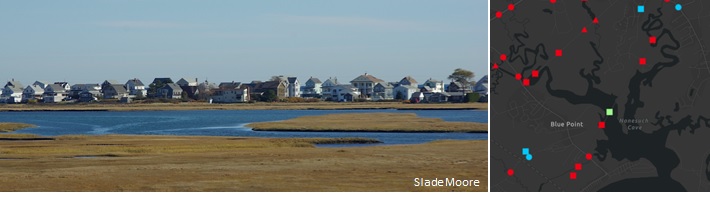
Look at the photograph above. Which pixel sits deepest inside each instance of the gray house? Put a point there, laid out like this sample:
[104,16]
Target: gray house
[115,91]
[169,91]
[383,91]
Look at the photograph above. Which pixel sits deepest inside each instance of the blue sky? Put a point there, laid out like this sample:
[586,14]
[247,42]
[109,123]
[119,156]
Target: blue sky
[89,41]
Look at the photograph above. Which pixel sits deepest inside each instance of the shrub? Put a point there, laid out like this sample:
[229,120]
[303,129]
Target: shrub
[471,97]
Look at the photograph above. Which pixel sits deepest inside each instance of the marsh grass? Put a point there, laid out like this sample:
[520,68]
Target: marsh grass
[369,122]
[195,163]
[11,126]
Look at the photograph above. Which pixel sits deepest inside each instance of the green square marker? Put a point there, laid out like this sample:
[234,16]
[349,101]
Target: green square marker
[609,112]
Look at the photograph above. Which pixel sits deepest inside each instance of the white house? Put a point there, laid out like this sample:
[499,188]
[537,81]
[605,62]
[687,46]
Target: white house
[54,93]
[32,92]
[404,92]
[327,86]
[434,85]
[344,92]
[294,87]
[12,92]
[136,87]
[237,95]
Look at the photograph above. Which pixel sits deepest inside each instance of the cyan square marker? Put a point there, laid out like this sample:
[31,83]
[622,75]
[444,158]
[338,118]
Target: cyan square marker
[609,112]
[526,151]
[640,9]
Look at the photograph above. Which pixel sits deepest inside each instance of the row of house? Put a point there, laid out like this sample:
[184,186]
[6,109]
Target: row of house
[369,87]
[366,87]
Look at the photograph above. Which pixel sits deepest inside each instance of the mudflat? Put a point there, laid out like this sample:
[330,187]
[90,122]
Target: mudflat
[193,163]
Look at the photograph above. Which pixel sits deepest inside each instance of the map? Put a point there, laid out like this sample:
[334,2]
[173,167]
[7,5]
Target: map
[599,95]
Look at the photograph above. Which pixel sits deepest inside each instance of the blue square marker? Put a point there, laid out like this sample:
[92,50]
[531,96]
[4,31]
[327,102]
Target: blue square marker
[526,151]
[640,8]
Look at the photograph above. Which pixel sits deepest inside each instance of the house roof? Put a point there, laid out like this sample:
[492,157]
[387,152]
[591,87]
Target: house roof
[269,85]
[230,85]
[314,80]
[433,81]
[188,80]
[330,81]
[385,85]
[56,87]
[15,89]
[136,82]
[292,80]
[119,88]
[458,84]
[110,81]
[13,83]
[409,79]
[367,78]
[172,86]
[35,88]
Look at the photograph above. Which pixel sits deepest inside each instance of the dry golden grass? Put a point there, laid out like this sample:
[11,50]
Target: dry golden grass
[369,122]
[236,106]
[173,163]
[11,126]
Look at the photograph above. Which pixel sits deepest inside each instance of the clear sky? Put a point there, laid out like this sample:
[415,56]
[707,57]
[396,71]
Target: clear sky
[88,41]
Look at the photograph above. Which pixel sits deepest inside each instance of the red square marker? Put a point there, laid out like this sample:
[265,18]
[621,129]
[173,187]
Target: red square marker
[578,166]
[601,125]
[535,74]
[518,76]
[588,156]
[642,61]
[558,52]
[652,39]
[526,82]
[573,175]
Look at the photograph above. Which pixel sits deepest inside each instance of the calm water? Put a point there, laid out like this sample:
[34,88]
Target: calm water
[222,123]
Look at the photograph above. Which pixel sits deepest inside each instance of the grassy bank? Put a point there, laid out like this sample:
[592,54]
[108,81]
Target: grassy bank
[369,122]
[11,126]
[173,163]
[236,106]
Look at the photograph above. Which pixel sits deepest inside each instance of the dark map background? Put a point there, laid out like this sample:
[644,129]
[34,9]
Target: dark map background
[600,70]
